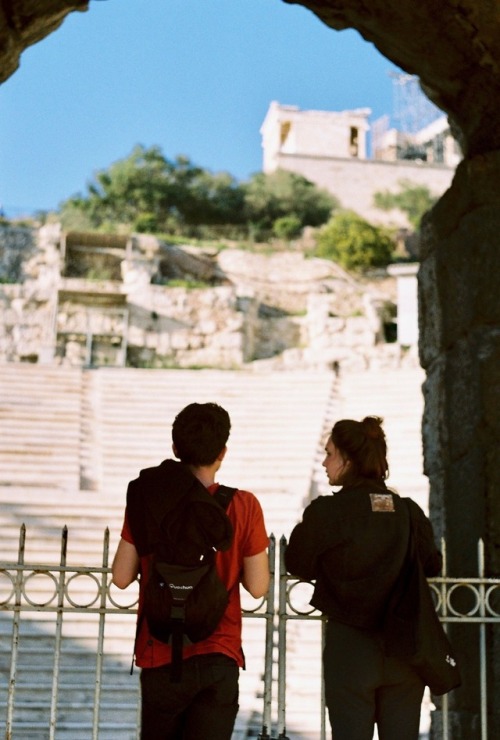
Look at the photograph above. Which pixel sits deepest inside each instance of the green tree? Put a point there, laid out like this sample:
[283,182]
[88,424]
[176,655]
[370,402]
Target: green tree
[354,243]
[269,197]
[148,192]
[412,199]
[215,198]
[140,183]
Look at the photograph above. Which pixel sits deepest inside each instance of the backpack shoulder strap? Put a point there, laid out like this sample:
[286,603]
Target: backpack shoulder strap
[224,495]
[157,493]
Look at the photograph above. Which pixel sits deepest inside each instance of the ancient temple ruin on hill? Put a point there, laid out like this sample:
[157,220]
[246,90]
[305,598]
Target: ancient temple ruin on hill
[331,149]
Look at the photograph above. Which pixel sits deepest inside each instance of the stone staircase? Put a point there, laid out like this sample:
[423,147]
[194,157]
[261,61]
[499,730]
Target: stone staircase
[120,422]
[396,396]
[40,412]
[75,699]
[276,425]
[103,426]
[45,514]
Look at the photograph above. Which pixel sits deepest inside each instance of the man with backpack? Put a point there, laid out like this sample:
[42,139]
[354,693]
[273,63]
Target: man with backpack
[189,547]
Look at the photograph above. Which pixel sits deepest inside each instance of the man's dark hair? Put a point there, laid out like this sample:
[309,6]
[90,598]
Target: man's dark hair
[200,432]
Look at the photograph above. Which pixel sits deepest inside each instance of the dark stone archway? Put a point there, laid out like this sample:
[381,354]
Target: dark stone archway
[454,47]
[24,22]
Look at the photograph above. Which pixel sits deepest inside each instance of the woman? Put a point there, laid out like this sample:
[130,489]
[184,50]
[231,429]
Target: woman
[353,544]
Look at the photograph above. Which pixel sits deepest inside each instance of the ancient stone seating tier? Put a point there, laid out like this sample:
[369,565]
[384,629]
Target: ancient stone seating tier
[104,425]
[70,441]
[40,414]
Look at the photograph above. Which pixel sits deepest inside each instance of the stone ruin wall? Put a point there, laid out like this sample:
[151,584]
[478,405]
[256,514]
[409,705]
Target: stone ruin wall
[281,311]
[28,273]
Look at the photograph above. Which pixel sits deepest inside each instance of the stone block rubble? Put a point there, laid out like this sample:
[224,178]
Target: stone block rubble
[93,300]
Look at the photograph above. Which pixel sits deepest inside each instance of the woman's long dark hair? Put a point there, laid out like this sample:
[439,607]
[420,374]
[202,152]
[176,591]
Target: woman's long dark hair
[363,445]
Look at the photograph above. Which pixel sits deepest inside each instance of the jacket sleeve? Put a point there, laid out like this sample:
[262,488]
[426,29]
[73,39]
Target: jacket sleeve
[429,555]
[305,545]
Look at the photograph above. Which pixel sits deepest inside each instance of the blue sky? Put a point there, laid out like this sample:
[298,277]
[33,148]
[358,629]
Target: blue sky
[194,77]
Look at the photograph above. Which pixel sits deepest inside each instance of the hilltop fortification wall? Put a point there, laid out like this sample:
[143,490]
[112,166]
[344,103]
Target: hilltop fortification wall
[355,181]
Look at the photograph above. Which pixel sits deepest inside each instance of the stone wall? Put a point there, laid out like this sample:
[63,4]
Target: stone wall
[354,182]
[29,269]
[281,309]
[189,328]
[460,350]
[23,325]
[460,321]
[17,245]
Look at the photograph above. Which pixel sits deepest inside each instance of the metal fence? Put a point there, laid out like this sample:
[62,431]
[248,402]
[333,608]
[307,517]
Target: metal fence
[63,633]
[63,669]
[479,608]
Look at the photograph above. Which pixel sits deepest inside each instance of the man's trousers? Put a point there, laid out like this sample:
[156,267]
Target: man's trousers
[204,704]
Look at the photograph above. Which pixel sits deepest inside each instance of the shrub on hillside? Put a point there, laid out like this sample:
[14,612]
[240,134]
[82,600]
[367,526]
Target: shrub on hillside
[412,199]
[280,194]
[287,227]
[354,243]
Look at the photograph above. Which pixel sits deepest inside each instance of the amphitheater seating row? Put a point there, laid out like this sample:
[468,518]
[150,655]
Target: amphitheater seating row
[71,439]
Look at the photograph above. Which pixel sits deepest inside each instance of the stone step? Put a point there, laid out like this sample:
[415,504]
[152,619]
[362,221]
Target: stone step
[40,411]
[275,449]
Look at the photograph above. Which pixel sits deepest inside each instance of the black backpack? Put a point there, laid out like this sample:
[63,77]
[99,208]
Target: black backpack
[180,526]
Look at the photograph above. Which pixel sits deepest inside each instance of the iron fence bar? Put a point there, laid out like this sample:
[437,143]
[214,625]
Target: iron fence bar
[444,609]
[14,651]
[469,620]
[58,636]
[482,645]
[74,609]
[55,567]
[282,642]
[472,580]
[128,610]
[283,620]
[323,697]
[139,712]
[88,569]
[100,637]
[445,585]
[62,574]
[268,656]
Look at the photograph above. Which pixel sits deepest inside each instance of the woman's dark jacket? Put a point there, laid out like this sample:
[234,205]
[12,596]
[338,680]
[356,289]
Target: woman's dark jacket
[353,545]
